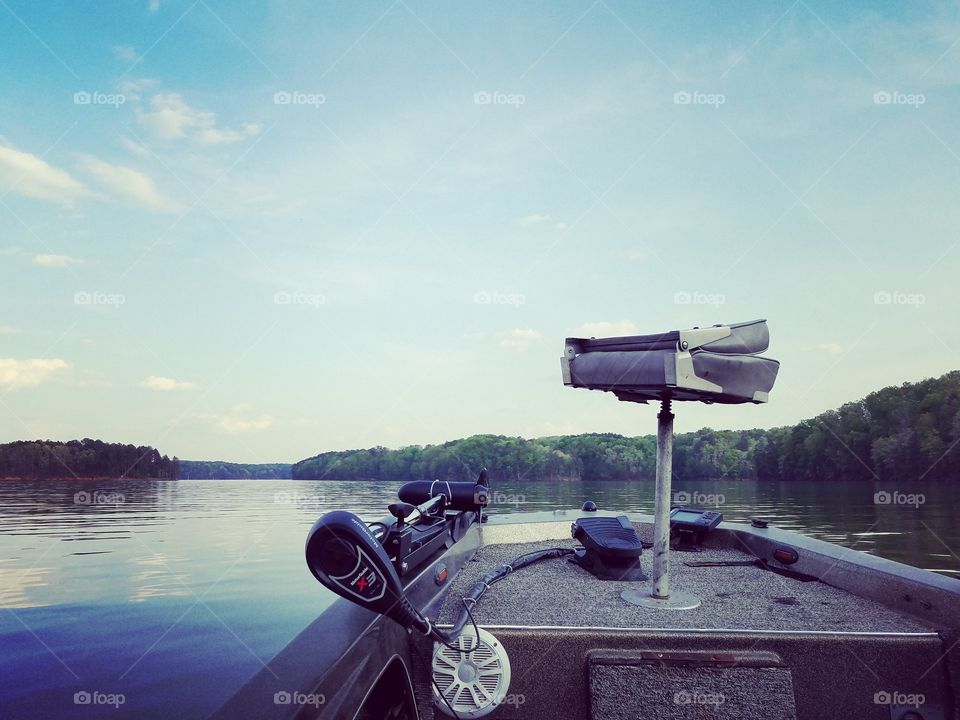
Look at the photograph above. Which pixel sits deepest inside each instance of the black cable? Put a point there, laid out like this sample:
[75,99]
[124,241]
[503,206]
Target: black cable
[434,681]
[477,590]
[476,629]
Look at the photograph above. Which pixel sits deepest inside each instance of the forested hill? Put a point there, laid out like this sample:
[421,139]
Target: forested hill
[219,470]
[46,459]
[905,433]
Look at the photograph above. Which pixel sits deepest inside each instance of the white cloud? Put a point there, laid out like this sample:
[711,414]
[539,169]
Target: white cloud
[17,374]
[55,261]
[606,329]
[165,384]
[171,118]
[830,348]
[31,176]
[131,89]
[135,147]
[130,184]
[234,424]
[153,5]
[9,330]
[534,219]
[240,419]
[520,339]
[125,53]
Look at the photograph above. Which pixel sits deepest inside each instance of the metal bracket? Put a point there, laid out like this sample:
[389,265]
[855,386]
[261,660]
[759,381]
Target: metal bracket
[687,377]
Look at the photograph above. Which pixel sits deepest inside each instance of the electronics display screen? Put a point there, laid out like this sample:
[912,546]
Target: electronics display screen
[686,516]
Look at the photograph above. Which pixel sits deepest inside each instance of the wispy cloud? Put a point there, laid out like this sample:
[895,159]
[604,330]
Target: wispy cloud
[126,53]
[129,184]
[533,219]
[19,374]
[234,424]
[55,261]
[520,339]
[538,219]
[33,177]
[171,118]
[605,328]
[165,384]
[9,330]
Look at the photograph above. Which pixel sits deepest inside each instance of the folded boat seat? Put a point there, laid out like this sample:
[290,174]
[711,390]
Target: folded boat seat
[718,364]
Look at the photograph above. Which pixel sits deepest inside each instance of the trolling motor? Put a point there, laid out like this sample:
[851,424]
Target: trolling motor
[471,670]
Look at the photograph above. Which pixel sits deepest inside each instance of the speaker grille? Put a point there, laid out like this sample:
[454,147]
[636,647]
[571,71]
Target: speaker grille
[473,676]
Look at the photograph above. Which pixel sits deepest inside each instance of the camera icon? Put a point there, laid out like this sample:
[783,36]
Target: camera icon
[82,498]
[682,498]
[482,297]
[881,698]
[480,497]
[82,97]
[282,698]
[482,98]
[882,497]
[882,97]
[681,298]
[882,298]
[682,98]
[282,98]
[82,698]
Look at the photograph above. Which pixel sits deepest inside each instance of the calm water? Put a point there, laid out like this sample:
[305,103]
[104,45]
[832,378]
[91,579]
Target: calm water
[172,594]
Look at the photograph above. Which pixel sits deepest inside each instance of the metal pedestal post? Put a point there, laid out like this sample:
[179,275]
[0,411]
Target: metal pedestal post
[659,596]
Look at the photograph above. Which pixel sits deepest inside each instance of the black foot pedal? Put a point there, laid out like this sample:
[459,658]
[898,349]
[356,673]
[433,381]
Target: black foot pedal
[611,548]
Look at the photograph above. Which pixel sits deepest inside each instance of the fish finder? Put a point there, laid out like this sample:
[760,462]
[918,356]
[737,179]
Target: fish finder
[690,525]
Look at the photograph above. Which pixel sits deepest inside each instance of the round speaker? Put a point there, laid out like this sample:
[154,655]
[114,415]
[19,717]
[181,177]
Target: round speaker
[473,676]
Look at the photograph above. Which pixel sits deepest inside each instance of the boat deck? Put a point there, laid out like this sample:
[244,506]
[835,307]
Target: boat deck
[559,593]
[578,650]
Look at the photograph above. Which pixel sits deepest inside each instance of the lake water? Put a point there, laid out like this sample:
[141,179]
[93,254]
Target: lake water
[169,595]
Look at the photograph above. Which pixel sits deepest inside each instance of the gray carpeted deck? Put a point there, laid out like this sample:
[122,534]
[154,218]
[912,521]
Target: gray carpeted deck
[558,593]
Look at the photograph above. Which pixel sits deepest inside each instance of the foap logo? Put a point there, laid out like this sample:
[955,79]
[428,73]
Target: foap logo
[515,699]
[695,97]
[284,697]
[695,697]
[95,697]
[698,499]
[501,498]
[98,498]
[896,297]
[95,297]
[893,497]
[295,97]
[298,499]
[493,297]
[84,97]
[895,97]
[299,298]
[895,697]
[686,297]
[484,97]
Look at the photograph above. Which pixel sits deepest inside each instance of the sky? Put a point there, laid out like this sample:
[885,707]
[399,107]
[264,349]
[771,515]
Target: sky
[258,231]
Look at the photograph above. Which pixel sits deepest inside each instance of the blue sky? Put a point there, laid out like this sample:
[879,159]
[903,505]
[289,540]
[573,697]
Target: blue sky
[255,231]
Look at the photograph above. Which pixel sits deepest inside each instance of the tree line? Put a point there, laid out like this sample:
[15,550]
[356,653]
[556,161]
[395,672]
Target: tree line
[908,432]
[219,470]
[49,459]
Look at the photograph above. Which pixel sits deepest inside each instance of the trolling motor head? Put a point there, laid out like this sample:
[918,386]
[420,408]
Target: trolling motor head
[343,554]
[471,670]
